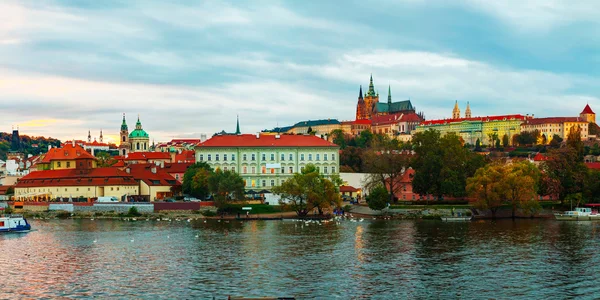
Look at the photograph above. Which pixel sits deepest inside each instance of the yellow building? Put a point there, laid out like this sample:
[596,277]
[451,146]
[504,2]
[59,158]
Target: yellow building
[548,127]
[484,129]
[70,156]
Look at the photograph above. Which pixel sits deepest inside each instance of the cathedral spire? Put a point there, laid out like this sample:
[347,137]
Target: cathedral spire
[124,124]
[389,95]
[237,126]
[371,88]
[101,138]
[468,111]
[89,137]
[360,94]
[456,111]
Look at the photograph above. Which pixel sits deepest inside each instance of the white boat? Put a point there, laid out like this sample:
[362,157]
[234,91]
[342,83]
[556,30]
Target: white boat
[456,219]
[579,214]
[14,223]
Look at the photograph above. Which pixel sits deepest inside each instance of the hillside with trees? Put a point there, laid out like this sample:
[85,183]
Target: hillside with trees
[29,145]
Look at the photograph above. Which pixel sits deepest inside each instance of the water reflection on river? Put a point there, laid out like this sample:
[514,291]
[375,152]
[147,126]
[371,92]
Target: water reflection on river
[370,259]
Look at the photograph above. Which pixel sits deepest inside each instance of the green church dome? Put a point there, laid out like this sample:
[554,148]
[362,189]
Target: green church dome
[139,133]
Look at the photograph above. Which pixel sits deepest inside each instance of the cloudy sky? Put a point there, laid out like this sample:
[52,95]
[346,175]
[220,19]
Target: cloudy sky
[186,69]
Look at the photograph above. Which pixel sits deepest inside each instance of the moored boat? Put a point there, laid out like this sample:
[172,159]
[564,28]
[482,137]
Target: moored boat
[579,214]
[456,219]
[14,223]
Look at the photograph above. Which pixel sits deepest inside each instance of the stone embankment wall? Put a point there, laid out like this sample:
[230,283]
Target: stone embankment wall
[145,208]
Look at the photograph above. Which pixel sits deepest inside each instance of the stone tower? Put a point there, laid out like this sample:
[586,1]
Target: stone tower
[124,140]
[468,111]
[101,137]
[588,114]
[456,111]
[371,99]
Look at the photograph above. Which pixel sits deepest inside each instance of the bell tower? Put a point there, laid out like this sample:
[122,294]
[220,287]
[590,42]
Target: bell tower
[124,138]
[456,111]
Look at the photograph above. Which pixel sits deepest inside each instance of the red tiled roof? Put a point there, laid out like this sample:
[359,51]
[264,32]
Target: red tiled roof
[362,122]
[480,119]
[396,118]
[185,156]
[250,140]
[147,155]
[173,168]
[188,141]
[4,189]
[71,177]
[552,120]
[119,163]
[593,165]
[67,152]
[348,189]
[587,110]
[540,157]
[144,173]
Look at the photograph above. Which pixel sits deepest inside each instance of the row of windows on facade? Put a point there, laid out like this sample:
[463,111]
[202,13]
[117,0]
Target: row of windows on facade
[58,164]
[265,170]
[264,157]
[76,189]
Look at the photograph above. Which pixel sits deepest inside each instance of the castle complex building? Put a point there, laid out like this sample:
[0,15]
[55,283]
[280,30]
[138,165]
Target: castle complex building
[136,141]
[368,105]
[470,129]
[487,129]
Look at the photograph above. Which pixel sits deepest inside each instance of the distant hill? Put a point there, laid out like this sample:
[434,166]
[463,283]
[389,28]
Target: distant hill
[29,145]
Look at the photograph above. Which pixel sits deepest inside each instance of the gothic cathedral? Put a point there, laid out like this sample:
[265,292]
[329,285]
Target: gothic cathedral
[368,105]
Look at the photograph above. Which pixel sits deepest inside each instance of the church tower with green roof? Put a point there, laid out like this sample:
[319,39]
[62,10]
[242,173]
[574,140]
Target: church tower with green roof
[139,140]
[124,138]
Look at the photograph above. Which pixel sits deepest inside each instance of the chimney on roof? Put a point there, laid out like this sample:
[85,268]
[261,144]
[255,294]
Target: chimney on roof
[162,164]
[128,170]
[277,136]
[73,142]
[49,147]
[153,170]
[258,135]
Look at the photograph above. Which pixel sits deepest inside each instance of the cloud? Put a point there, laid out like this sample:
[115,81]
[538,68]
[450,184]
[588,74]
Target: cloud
[538,15]
[193,69]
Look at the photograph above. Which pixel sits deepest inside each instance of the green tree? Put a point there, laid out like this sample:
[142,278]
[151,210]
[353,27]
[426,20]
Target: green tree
[378,198]
[385,167]
[225,185]
[519,184]
[339,138]
[478,146]
[485,187]
[352,157]
[555,141]
[442,165]
[105,160]
[505,141]
[574,141]
[565,166]
[591,187]
[497,144]
[364,139]
[195,180]
[308,190]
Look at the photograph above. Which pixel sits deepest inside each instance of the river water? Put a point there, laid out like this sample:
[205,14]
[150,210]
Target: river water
[529,259]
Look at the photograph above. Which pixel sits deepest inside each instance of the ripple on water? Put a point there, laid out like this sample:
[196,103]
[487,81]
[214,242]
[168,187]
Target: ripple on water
[373,259]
